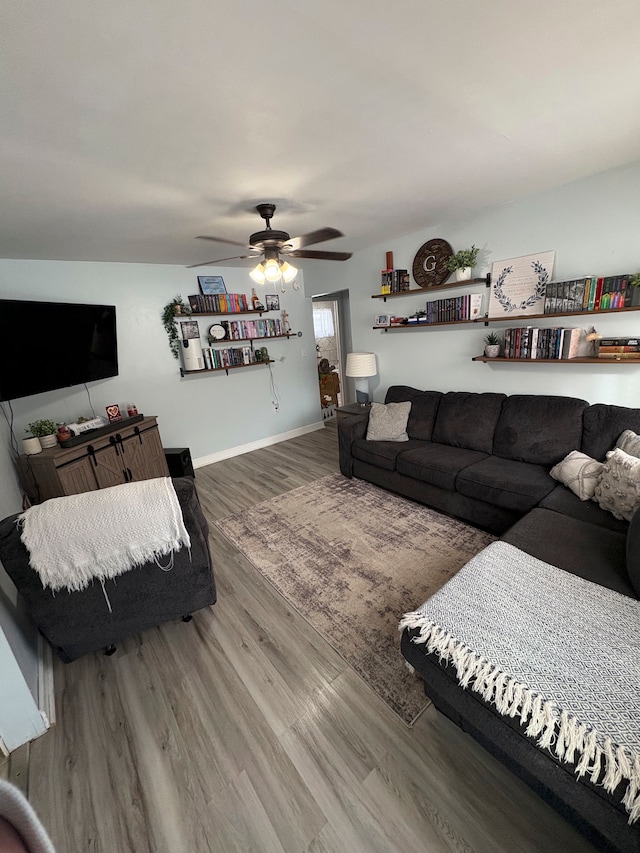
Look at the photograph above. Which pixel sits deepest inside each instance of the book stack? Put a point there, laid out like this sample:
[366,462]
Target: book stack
[592,293]
[243,329]
[534,343]
[219,303]
[467,307]
[229,357]
[619,348]
[394,281]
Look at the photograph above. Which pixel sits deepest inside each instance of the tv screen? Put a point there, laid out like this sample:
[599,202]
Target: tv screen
[49,345]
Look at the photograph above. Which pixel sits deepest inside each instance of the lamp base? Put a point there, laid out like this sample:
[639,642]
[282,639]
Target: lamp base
[362,397]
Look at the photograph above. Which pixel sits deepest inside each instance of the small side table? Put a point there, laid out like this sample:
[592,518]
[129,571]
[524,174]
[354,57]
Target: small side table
[352,409]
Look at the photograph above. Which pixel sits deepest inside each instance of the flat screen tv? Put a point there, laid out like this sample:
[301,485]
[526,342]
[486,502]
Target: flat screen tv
[50,345]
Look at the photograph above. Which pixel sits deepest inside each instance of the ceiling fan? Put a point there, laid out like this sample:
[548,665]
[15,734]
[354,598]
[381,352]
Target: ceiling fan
[271,244]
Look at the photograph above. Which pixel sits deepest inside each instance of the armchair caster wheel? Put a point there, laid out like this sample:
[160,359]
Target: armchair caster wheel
[110,650]
[187,618]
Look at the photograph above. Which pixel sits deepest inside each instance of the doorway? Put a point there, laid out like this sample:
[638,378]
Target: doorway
[332,335]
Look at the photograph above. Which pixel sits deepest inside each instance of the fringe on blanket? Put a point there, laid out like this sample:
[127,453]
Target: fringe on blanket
[573,742]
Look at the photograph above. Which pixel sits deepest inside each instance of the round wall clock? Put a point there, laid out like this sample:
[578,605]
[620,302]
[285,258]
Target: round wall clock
[217,331]
[430,263]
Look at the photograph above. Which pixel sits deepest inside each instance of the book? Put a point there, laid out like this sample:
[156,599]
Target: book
[475,306]
[619,355]
[622,348]
[571,343]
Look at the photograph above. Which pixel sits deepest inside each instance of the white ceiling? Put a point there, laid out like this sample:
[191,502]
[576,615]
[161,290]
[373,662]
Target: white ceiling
[128,128]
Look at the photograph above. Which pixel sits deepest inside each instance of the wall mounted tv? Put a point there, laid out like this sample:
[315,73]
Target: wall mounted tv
[50,345]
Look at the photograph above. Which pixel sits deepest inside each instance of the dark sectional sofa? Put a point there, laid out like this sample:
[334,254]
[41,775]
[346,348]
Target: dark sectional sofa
[485,458]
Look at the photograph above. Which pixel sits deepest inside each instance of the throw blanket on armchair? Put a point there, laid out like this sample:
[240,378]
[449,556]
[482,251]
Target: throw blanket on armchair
[571,673]
[102,534]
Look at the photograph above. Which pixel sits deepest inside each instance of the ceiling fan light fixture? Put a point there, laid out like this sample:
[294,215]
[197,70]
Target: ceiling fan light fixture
[288,271]
[271,270]
[258,273]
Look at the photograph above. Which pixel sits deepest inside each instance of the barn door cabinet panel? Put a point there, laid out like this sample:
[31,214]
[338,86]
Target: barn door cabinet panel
[128,453]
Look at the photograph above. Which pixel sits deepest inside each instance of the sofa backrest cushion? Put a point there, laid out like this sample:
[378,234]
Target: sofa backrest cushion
[468,420]
[424,407]
[539,429]
[603,425]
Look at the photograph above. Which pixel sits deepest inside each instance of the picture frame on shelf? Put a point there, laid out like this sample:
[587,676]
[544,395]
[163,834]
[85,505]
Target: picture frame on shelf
[272,301]
[382,320]
[190,330]
[210,285]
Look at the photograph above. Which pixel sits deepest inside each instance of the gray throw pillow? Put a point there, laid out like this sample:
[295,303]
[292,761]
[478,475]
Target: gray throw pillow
[388,422]
[629,442]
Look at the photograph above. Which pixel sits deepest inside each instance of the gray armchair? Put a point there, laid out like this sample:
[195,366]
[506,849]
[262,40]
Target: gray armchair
[79,622]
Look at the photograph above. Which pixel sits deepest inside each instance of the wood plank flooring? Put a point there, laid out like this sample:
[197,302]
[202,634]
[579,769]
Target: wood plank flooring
[245,731]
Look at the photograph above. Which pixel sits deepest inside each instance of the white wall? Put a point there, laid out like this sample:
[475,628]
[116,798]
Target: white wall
[593,225]
[209,413]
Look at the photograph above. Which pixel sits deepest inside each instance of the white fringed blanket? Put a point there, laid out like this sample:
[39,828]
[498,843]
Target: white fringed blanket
[102,534]
[558,652]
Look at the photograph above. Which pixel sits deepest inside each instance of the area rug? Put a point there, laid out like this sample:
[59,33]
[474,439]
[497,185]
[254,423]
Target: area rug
[352,558]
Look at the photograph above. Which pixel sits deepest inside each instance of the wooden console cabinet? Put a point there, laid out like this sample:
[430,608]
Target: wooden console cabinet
[131,452]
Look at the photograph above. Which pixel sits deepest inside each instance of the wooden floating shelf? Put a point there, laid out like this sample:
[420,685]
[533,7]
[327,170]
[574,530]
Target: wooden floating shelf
[221,314]
[425,290]
[584,360]
[226,369]
[241,340]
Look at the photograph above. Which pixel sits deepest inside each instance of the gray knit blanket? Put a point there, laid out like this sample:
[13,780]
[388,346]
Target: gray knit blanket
[558,652]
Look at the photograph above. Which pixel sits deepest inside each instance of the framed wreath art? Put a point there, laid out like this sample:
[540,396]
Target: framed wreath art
[519,285]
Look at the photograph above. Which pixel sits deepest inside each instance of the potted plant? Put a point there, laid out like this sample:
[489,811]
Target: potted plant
[176,307]
[462,261]
[492,345]
[45,431]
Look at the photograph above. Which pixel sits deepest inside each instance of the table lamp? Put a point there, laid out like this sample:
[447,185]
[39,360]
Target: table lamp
[361,365]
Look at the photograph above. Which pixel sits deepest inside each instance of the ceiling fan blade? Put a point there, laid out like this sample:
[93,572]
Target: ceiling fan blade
[312,237]
[220,260]
[324,256]
[222,240]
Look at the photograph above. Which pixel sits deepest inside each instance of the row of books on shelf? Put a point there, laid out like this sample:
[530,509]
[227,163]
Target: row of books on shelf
[454,308]
[229,357]
[219,303]
[239,329]
[619,348]
[394,281]
[591,294]
[532,342]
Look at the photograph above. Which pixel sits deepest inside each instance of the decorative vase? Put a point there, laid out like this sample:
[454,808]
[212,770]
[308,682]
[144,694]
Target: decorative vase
[463,274]
[492,350]
[31,446]
[48,441]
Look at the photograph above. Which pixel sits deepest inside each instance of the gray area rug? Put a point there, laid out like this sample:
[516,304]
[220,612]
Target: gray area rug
[352,558]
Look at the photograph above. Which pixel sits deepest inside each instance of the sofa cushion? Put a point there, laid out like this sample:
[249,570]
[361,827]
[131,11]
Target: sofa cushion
[437,463]
[565,502]
[388,422]
[633,553]
[382,454]
[539,429]
[505,482]
[468,420]
[424,406]
[592,553]
[619,488]
[580,473]
[603,425]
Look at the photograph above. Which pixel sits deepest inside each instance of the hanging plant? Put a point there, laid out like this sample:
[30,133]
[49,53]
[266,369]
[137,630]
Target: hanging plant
[173,309]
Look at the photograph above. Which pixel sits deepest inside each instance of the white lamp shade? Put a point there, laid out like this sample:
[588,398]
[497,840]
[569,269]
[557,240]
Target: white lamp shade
[360,364]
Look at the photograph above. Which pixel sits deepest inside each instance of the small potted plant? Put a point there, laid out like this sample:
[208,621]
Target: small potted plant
[491,345]
[45,431]
[462,261]
[171,310]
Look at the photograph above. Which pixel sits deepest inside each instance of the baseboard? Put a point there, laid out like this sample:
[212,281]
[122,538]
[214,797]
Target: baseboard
[46,699]
[255,445]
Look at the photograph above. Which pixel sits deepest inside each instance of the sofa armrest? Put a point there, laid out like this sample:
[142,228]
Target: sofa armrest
[350,428]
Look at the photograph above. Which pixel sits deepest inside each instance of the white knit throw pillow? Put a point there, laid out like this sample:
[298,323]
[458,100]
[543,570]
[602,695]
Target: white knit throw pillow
[388,422]
[619,488]
[580,473]
[629,442]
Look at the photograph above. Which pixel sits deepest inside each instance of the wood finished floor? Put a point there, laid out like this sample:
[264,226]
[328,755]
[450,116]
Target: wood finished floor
[245,731]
